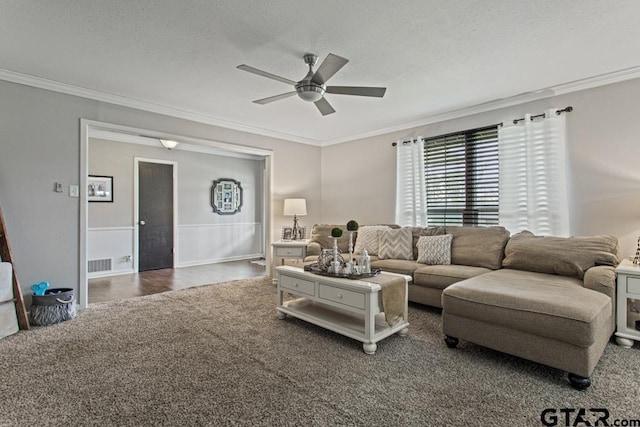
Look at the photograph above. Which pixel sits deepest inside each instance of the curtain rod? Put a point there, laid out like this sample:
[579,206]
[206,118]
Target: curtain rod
[558,112]
[515,122]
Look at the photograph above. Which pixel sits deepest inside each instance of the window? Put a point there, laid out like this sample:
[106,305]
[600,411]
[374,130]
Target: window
[461,174]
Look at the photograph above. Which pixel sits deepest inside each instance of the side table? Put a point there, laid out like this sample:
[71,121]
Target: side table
[627,303]
[287,249]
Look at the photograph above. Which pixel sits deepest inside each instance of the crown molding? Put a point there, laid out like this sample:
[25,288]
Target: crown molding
[52,85]
[565,88]
[596,81]
[562,89]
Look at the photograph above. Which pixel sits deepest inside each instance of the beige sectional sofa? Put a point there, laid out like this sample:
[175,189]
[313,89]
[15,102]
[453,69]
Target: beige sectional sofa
[546,299]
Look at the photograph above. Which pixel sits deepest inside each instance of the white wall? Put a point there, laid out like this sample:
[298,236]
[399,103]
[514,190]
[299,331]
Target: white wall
[358,177]
[40,145]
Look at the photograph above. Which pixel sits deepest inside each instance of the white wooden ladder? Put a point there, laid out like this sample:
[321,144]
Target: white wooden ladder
[5,254]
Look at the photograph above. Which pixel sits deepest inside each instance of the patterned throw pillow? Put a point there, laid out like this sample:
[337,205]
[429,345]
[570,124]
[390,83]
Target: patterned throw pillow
[368,239]
[395,244]
[435,250]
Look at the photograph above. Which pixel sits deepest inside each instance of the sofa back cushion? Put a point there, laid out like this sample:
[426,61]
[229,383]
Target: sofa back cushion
[565,256]
[478,246]
[321,234]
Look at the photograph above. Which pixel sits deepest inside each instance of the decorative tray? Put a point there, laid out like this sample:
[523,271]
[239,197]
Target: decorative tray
[315,269]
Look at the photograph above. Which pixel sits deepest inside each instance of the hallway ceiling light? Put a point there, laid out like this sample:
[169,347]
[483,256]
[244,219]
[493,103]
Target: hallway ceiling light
[168,144]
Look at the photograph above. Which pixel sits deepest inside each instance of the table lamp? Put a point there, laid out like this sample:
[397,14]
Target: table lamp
[295,207]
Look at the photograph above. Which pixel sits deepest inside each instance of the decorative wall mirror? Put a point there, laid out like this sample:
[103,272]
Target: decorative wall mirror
[226,196]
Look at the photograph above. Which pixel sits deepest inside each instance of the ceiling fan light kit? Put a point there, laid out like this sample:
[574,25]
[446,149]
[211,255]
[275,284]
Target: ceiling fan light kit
[310,92]
[312,87]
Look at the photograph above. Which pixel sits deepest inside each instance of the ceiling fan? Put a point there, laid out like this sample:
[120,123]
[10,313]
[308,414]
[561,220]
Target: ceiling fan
[313,86]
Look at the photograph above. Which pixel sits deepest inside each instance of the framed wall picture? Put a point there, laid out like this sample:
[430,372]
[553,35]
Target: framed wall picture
[226,196]
[100,188]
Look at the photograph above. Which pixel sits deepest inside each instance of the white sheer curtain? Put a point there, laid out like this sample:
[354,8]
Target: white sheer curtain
[411,192]
[533,183]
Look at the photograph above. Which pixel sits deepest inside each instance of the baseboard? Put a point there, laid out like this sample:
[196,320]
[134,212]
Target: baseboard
[109,273]
[219,260]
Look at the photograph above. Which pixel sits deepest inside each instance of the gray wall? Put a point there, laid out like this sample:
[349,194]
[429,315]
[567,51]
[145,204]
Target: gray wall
[196,173]
[40,145]
[603,152]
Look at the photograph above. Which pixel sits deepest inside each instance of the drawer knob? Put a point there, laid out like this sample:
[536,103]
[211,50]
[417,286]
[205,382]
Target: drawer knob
[339,295]
[296,285]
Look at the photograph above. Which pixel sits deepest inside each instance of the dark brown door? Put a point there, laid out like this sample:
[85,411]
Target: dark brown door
[155,213]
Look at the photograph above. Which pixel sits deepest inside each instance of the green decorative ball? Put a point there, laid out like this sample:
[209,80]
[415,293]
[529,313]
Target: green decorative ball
[352,225]
[336,232]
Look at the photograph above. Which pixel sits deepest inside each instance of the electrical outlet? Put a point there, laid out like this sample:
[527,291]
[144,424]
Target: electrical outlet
[74,191]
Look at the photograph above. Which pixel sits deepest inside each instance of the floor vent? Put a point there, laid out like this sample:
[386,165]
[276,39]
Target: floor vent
[96,265]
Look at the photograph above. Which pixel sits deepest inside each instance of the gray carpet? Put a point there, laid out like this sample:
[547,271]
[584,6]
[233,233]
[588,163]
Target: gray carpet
[217,355]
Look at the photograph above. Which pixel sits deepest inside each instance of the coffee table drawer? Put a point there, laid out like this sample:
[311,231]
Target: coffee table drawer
[289,252]
[298,285]
[342,296]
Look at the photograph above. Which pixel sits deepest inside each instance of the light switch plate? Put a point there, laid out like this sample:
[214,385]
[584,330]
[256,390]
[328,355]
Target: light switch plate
[74,191]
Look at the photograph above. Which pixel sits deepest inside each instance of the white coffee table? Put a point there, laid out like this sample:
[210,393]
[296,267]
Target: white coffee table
[349,307]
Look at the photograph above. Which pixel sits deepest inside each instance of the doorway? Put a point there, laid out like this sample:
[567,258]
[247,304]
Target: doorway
[121,133]
[155,213]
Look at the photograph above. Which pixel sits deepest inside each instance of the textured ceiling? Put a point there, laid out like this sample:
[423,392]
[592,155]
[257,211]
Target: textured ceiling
[433,56]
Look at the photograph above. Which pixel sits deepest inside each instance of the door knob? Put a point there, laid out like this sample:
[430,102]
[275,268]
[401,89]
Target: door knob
[142,222]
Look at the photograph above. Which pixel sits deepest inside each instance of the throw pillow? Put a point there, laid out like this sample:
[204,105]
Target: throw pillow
[435,250]
[368,239]
[395,244]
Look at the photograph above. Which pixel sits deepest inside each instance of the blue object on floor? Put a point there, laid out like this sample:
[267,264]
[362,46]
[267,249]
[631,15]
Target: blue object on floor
[39,288]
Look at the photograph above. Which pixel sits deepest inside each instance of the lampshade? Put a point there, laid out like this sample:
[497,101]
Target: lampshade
[168,144]
[295,207]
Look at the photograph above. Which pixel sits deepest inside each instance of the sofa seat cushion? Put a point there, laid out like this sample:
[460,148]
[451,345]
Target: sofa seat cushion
[441,276]
[400,266]
[541,304]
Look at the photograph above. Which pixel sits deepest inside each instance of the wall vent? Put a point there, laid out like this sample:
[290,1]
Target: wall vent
[97,265]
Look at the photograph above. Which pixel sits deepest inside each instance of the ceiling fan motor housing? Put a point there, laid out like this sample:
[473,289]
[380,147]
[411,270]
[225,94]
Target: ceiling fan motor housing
[309,91]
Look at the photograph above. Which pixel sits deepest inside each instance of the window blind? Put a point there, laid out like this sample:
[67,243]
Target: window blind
[461,175]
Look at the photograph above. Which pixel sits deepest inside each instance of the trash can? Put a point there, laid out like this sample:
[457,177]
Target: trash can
[56,305]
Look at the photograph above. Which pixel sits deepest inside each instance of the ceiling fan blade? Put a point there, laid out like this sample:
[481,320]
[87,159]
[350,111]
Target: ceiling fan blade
[324,106]
[331,65]
[265,74]
[274,98]
[357,90]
